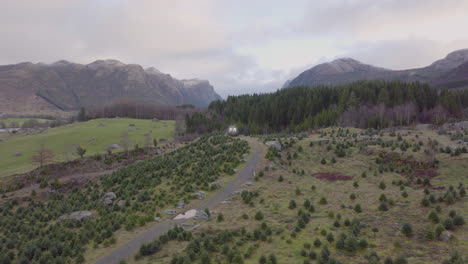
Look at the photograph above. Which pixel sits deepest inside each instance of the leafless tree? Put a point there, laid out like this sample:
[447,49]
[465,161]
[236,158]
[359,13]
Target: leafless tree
[148,140]
[125,141]
[43,155]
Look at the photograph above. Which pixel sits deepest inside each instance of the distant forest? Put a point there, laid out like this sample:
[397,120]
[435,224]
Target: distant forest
[364,104]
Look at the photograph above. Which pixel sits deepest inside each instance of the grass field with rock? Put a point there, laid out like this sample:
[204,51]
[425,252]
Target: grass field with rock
[341,196]
[94,136]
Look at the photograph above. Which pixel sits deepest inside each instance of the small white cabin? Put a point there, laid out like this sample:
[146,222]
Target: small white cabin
[232,131]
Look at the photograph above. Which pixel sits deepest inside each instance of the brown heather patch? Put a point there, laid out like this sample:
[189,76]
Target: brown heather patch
[328,176]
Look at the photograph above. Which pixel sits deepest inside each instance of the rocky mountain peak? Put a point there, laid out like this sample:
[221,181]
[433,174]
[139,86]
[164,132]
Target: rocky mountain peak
[106,63]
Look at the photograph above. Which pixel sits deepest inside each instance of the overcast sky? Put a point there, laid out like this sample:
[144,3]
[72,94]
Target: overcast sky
[240,46]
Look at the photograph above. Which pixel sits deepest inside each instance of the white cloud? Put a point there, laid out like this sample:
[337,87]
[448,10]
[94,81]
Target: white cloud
[240,46]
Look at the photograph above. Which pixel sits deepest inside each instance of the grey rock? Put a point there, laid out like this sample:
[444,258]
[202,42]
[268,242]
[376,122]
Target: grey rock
[199,194]
[170,212]
[76,216]
[215,185]
[201,215]
[108,198]
[275,144]
[101,125]
[17,154]
[157,219]
[445,236]
[114,146]
[155,120]
[180,205]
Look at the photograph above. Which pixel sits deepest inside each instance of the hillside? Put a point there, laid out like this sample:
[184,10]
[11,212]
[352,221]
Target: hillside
[63,86]
[449,72]
[95,136]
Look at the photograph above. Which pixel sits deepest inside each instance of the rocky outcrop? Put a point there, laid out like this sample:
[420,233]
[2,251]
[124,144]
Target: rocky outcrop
[201,215]
[68,86]
[109,198]
[76,216]
[274,144]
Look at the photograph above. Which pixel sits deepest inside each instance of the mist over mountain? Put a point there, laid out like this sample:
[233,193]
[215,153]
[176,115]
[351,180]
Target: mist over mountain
[449,72]
[63,86]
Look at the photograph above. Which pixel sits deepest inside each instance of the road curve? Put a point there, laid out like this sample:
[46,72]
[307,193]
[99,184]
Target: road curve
[156,230]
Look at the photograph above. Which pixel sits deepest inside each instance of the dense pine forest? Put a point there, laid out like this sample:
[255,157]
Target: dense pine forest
[361,104]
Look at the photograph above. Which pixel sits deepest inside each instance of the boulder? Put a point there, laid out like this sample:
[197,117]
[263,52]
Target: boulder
[445,236]
[275,144]
[132,125]
[76,216]
[170,212]
[201,215]
[108,198]
[155,120]
[215,185]
[101,125]
[17,154]
[180,205]
[199,194]
[114,146]
[157,219]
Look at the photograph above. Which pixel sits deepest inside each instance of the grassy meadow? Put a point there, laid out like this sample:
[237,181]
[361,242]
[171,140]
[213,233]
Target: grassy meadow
[284,179]
[16,150]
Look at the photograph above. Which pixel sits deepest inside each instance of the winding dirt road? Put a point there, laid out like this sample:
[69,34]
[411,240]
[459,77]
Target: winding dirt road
[134,245]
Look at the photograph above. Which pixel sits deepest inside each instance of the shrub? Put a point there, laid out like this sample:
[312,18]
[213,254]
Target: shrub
[434,217]
[407,230]
[357,208]
[323,201]
[448,224]
[317,243]
[259,216]
[383,207]
[292,204]
[382,185]
[220,218]
[458,220]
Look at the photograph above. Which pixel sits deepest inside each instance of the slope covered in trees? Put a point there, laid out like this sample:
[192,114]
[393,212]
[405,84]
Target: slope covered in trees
[41,230]
[360,104]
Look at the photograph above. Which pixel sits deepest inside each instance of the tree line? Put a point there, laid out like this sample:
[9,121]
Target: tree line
[363,104]
[134,109]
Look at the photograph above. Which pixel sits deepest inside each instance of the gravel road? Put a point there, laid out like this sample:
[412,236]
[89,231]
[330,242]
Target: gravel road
[158,229]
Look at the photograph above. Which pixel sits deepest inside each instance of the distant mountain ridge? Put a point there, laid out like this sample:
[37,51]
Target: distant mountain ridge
[64,86]
[449,72]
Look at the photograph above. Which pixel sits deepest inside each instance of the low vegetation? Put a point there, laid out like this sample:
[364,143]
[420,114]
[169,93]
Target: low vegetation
[39,230]
[95,136]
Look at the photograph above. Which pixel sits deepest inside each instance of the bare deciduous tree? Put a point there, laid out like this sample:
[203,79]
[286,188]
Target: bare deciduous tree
[125,141]
[43,155]
[148,140]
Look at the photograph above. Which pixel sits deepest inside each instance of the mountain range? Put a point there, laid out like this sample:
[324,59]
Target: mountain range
[449,72]
[39,88]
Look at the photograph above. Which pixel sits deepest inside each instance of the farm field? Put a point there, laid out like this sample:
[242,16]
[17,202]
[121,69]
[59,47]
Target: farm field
[343,196]
[95,136]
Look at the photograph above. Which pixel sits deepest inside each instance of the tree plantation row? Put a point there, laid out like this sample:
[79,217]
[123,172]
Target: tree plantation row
[44,230]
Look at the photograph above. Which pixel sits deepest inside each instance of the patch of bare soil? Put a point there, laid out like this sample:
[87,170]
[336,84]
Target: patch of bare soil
[328,176]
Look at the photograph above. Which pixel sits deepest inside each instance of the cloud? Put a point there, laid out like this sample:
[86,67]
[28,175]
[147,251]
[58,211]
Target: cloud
[240,46]
[366,20]
[402,54]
